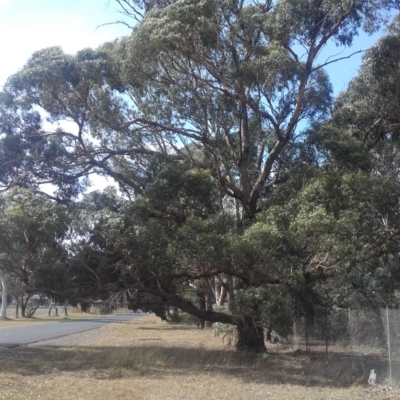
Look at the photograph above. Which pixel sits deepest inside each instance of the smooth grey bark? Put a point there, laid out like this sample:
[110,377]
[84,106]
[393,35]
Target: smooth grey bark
[4,294]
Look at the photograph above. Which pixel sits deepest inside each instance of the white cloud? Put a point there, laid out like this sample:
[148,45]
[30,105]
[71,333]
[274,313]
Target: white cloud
[24,33]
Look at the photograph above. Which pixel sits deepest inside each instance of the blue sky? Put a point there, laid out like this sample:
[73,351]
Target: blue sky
[343,71]
[30,25]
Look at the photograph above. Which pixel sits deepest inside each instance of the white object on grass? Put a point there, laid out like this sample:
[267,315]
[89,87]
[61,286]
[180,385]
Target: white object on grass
[372,377]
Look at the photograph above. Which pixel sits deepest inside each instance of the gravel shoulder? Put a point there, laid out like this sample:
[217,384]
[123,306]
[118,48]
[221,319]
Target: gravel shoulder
[86,338]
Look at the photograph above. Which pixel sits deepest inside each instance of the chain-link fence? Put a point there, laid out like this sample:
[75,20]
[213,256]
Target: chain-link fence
[355,334]
[391,324]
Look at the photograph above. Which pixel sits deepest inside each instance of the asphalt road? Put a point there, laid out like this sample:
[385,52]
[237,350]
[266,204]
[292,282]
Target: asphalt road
[15,336]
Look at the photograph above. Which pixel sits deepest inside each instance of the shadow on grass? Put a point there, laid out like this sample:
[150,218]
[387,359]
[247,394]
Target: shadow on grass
[154,361]
[168,328]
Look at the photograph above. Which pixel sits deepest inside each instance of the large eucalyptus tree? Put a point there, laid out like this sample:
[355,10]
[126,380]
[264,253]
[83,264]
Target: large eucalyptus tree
[222,87]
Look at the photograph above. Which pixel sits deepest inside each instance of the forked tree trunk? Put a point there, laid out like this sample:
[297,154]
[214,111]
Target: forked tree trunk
[33,309]
[219,293]
[250,336]
[24,304]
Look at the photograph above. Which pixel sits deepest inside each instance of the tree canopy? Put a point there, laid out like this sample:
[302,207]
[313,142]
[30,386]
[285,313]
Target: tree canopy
[32,229]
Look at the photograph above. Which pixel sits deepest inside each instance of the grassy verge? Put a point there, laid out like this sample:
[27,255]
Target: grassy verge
[148,359]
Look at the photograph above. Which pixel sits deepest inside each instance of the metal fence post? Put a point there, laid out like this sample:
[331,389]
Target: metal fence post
[306,321]
[351,338]
[326,331]
[388,344]
[295,339]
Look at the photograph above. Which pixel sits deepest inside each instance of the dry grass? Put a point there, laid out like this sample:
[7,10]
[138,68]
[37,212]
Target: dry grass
[148,359]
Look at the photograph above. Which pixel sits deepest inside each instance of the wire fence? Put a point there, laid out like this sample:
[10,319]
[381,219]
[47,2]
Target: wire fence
[58,310]
[41,311]
[360,335]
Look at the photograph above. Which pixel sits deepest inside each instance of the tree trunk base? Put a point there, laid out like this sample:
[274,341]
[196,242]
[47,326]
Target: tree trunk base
[250,336]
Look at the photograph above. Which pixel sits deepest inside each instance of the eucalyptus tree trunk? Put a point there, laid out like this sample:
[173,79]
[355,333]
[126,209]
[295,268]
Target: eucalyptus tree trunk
[33,309]
[231,295]
[208,299]
[50,307]
[250,335]
[24,306]
[219,293]
[4,294]
[209,307]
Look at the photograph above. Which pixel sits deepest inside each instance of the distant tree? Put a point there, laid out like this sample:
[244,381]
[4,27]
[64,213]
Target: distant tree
[31,233]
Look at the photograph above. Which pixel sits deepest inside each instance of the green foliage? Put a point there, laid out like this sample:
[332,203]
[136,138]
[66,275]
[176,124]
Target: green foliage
[341,149]
[369,107]
[31,232]
[178,190]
